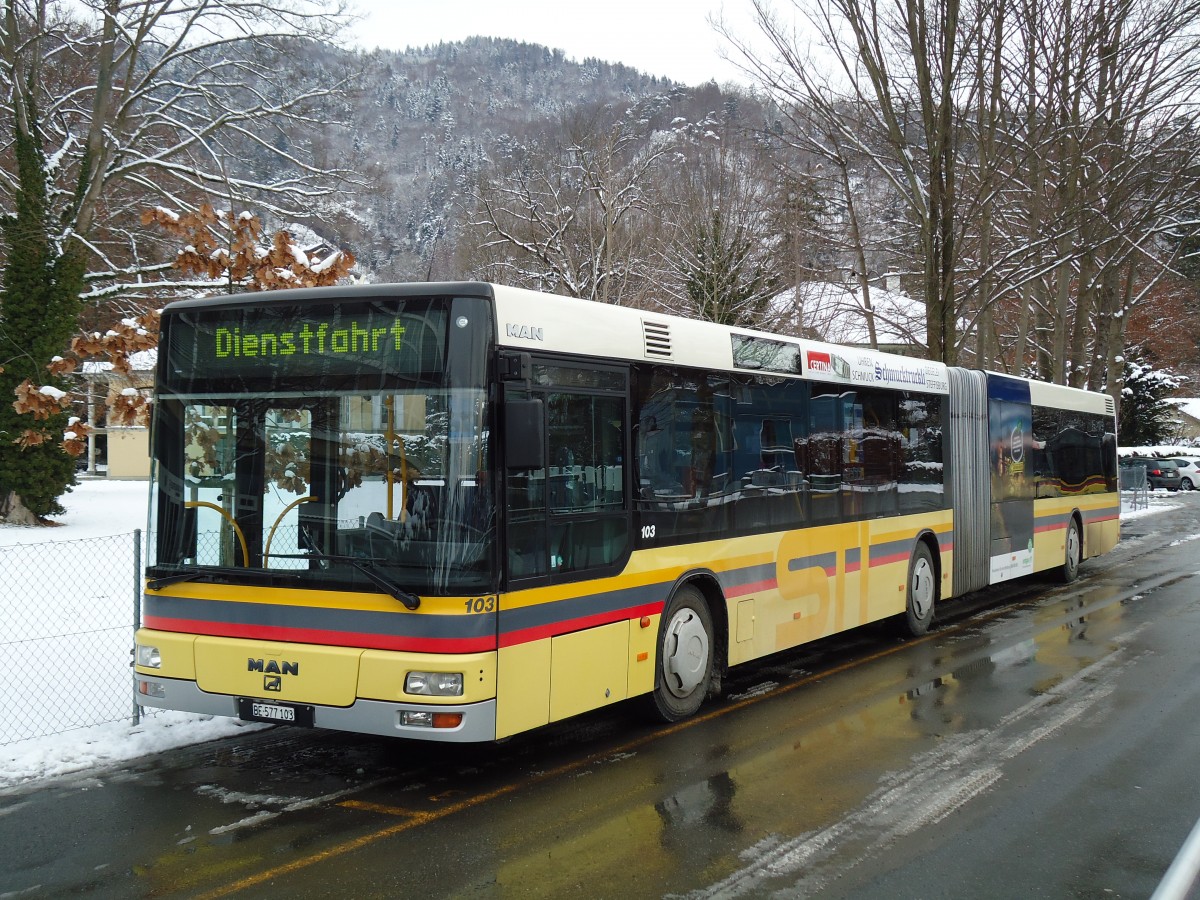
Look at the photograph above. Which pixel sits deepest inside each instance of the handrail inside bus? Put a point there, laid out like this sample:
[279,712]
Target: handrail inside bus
[236,528]
[390,436]
[271,534]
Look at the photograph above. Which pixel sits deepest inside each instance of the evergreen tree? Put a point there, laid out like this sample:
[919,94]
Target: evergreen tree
[724,276]
[1146,416]
[39,310]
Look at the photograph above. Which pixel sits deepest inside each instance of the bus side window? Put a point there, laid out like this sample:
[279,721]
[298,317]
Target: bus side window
[921,481]
[824,454]
[871,485]
[683,447]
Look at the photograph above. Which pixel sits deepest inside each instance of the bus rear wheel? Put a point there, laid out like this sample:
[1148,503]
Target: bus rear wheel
[921,594]
[685,656]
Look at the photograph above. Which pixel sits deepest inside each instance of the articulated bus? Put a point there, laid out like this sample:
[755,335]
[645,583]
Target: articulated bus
[456,512]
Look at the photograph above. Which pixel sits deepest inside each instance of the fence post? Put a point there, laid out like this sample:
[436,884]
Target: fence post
[137,608]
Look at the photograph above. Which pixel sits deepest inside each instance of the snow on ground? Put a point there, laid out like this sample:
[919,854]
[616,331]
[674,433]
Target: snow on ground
[95,509]
[99,508]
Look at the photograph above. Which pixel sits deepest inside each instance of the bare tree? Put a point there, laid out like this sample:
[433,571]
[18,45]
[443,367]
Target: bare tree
[1040,148]
[563,212]
[839,215]
[897,67]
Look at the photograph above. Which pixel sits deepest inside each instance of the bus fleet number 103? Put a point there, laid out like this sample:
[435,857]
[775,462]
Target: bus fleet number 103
[481,605]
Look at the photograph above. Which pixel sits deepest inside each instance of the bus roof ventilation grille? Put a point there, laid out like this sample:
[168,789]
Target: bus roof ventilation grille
[1110,408]
[657,337]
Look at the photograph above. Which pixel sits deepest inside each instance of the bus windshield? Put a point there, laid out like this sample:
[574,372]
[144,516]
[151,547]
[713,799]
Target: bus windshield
[341,446]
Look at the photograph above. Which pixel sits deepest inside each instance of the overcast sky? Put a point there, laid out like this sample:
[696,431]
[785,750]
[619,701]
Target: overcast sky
[671,38]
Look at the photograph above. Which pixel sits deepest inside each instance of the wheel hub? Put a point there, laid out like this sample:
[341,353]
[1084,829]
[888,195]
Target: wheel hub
[922,590]
[685,656]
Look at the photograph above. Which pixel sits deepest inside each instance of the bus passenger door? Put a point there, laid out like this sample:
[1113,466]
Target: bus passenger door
[568,516]
[567,519]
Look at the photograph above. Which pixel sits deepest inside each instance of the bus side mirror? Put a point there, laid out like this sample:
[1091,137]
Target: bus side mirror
[524,434]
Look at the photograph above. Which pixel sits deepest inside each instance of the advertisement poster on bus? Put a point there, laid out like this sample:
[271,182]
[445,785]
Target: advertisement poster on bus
[1010,428]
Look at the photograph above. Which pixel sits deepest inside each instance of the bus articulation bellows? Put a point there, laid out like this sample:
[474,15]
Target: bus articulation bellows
[461,511]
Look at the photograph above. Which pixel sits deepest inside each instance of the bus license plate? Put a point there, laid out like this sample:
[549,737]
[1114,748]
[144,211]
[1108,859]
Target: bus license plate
[280,713]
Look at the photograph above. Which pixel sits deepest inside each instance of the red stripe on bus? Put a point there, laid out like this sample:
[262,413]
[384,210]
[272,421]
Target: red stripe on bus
[890,558]
[1057,526]
[740,590]
[566,626]
[317,636]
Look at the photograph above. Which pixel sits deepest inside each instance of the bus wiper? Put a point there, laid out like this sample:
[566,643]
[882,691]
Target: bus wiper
[155,584]
[367,567]
[408,598]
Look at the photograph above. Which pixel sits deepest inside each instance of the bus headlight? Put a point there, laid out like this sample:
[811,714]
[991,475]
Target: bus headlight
[149,656]
[434,684]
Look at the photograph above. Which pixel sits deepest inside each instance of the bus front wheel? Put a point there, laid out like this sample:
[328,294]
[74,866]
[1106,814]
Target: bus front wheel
[685,656]
[922,592]
[1073,554]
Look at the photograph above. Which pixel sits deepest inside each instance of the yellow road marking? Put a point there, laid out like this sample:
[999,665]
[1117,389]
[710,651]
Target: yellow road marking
[382,809]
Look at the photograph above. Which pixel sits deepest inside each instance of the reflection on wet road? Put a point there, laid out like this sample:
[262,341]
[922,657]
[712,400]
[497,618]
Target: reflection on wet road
[1040,745]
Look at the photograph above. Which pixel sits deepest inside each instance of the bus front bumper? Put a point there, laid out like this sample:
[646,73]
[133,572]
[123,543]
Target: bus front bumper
[363,716]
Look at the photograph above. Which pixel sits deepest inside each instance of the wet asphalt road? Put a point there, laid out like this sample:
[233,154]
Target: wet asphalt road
[1041,742]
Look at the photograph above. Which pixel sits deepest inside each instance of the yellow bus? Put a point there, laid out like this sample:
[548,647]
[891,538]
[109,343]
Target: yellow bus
[460,511]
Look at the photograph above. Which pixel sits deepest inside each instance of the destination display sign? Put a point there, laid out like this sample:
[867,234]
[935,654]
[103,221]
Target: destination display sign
[256,342]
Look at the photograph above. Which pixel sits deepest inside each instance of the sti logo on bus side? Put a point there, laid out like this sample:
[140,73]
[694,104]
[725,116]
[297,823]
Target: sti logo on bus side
[525,332]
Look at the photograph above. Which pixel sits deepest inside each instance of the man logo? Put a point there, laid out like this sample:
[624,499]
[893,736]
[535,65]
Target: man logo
[273,671]
[524,332]
[272,667]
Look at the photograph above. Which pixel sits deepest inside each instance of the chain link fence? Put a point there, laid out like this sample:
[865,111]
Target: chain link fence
[1135,489]
[67,614]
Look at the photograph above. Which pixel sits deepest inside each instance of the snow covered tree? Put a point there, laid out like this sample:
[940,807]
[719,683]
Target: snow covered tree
[108,103]
[563,212]
[225,251]
[886,88]
[721,253]
[42,281]
[1146,417]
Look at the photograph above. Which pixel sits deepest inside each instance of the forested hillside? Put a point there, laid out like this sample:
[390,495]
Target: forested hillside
[420,126]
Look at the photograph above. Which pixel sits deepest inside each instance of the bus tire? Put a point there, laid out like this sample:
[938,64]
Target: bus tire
[921,594]
[1072,555]
[684,667]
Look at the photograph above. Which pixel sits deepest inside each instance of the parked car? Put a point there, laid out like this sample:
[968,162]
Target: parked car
[1189,472]
[1160,473]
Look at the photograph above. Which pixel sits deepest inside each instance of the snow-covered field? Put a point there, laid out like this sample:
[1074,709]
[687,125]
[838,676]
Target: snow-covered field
[62,590]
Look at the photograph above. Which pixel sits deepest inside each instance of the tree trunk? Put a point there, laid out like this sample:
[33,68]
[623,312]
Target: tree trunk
[14,512]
